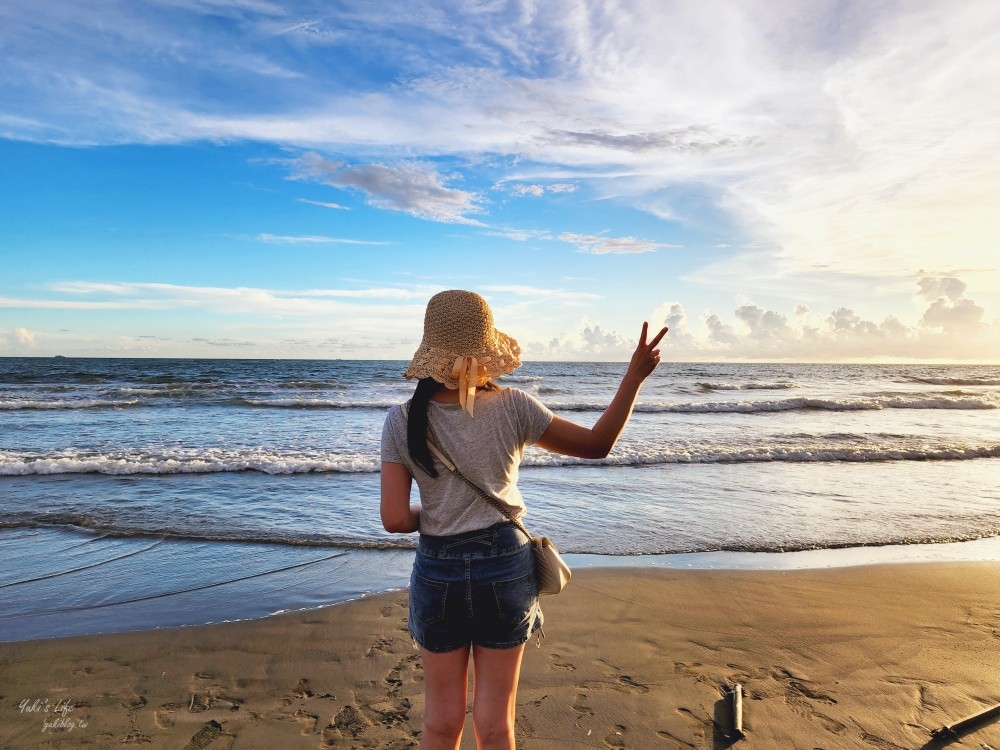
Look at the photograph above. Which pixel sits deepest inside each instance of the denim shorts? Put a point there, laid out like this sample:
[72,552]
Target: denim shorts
[474,588]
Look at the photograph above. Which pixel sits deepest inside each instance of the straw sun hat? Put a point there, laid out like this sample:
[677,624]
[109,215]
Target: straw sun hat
[461,347]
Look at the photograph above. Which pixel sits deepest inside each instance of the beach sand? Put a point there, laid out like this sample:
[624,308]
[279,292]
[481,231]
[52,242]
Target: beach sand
[862,657]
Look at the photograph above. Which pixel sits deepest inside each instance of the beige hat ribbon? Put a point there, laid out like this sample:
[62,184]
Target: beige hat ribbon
[469,371]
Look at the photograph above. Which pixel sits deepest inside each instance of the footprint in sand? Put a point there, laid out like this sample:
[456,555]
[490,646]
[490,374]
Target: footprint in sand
[559,663]
[200,702]
[621,682]
[616,738]
[309,721]
[349,722]
[384,645]
[581,707]
[205,736]
[405,670]
[302,690]
[164,715]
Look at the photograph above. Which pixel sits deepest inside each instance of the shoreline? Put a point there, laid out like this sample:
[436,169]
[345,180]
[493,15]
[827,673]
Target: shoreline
[178,583]
[873,655]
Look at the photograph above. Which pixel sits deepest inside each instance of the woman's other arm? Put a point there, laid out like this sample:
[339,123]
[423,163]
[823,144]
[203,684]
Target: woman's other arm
[399,515]
[572,439]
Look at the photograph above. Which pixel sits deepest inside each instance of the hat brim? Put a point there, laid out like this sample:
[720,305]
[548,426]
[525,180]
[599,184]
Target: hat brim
[500,357]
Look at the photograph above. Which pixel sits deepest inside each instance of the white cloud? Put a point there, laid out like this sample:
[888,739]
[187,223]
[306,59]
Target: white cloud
[948,287]
[540,293]
[18,340]
[538,191]
[602,245]
[306,303]
[850,139]
[325,204]
[414,188]
[589,342]
[520,235]
[24,337]
[948,330]
[224,342]
[535,190]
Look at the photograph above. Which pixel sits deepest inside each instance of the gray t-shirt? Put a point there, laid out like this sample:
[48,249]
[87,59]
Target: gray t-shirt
[486,448]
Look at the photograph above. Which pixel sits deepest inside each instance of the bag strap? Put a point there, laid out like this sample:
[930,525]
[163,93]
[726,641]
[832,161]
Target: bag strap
[440,456]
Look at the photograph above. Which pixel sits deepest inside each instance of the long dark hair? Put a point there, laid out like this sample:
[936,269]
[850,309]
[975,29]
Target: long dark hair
[416,423]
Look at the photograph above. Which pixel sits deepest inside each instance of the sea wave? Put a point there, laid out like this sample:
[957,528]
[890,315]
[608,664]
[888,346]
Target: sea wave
[817,453]
[141,398]
[183,461]
[708,386]
[90,403]
[310,403]
[219,460]
[84,522]
[869,403]
[955,381]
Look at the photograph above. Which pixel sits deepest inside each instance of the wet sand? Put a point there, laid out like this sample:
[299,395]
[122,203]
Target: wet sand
[864,657]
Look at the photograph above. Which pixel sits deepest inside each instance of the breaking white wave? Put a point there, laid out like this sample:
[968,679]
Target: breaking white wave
[312,403]
[92,403]
[862,453]
[863,403]
[706,386]
[221,460]
[183,461]
[956,381]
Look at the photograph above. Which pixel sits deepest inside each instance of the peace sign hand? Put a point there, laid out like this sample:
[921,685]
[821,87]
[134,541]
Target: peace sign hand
[646,356]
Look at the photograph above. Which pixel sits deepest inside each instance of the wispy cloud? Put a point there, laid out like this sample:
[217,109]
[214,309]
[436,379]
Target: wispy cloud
[850,139]
[537,190]
[544,294]
[308,303]
[520,235]
[325,204]
[412,187]
[602,245]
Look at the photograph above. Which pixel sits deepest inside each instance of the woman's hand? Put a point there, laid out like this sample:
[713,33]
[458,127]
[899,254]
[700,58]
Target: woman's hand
[646,356]
[572,439]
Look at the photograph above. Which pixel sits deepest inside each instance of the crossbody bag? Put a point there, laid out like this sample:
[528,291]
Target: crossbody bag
[551,571]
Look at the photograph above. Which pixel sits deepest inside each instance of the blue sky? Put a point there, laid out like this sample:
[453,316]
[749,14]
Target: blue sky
[258,178]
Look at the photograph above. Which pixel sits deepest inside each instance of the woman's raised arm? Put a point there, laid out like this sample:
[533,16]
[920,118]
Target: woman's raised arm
[572,439]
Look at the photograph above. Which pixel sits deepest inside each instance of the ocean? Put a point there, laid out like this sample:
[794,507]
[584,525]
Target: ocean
[142,493]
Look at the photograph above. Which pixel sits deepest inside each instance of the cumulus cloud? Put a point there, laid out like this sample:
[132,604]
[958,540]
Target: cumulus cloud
[948,287]
[18,340]
[603,245]
[23,337]
[949,329]
[411,187]
[590,342]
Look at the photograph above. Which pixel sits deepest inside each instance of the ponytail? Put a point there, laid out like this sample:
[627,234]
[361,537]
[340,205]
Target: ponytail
[416,425]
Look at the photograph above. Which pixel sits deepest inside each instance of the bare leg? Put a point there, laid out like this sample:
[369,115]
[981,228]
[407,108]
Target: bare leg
[495,697]
[446,685]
